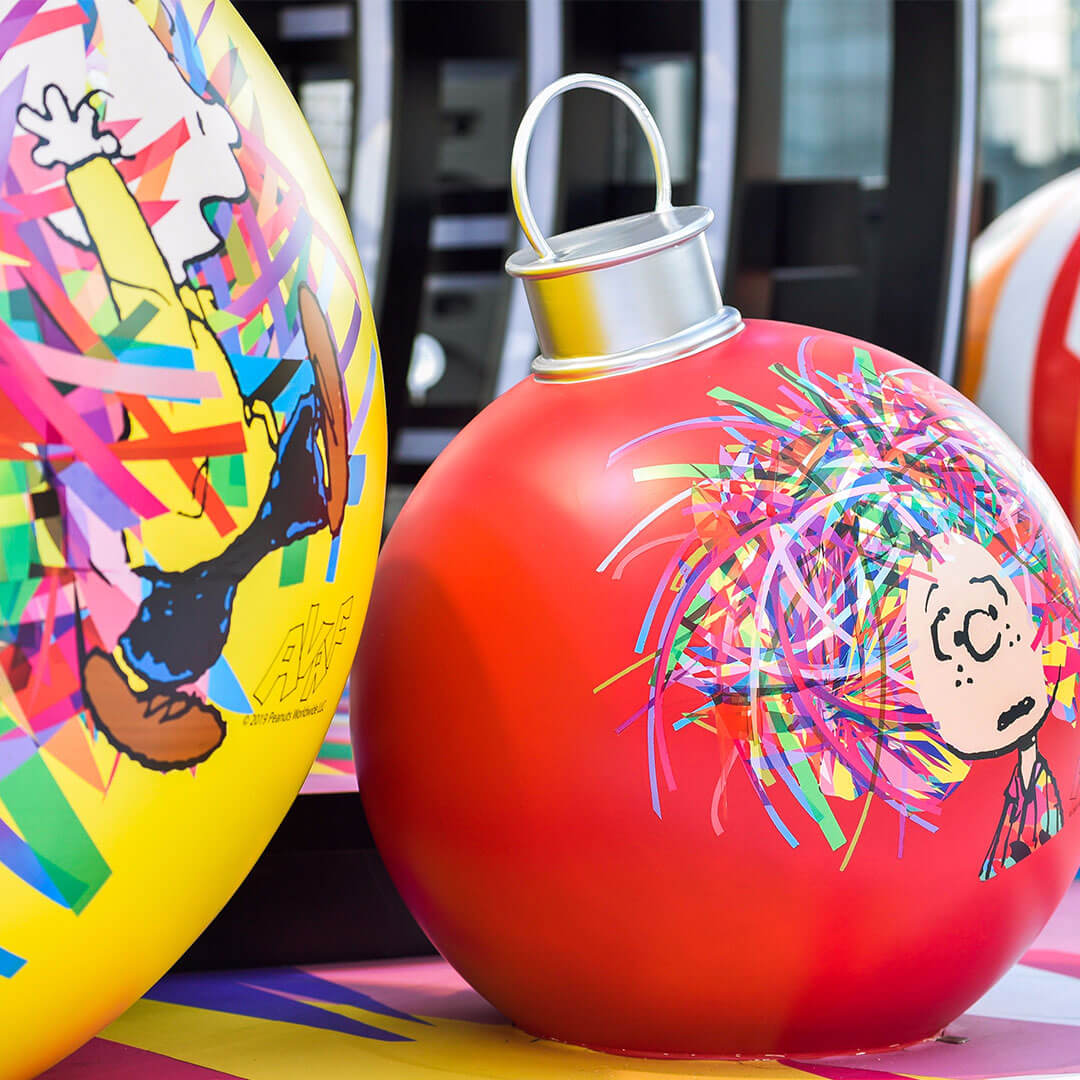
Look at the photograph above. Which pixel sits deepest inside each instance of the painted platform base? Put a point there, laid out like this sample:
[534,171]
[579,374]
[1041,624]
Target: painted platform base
[416,1019]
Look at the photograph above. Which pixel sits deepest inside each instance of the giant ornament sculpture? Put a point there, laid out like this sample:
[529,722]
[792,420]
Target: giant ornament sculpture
[1021,360]
[192,452]
[718,694]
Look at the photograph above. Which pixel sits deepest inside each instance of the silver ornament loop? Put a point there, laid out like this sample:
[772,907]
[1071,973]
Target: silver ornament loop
[519,158]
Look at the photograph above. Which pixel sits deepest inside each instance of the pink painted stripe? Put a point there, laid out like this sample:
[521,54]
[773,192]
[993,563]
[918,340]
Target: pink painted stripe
[16,20]
[144,379]
[1064,963]
[840,1072]
[993,1048]
[322,784]
[51,716]
[51,22]
[102,1059]
[26,385]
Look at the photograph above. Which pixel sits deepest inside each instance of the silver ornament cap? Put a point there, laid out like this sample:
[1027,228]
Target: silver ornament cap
[624,294]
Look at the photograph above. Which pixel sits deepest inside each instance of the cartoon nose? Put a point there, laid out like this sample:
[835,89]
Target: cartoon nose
[219,129]
[222,122]
[980,635]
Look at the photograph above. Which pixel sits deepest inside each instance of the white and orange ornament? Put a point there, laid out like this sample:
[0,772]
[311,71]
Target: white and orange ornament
[1021,360]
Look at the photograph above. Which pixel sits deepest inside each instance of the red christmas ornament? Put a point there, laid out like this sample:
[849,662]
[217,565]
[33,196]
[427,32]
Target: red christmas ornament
[724,705]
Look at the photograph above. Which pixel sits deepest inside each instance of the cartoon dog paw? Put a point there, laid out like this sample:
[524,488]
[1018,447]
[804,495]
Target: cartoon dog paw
[66,136]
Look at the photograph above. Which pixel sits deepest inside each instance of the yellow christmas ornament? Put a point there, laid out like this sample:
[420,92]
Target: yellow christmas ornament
[192,460]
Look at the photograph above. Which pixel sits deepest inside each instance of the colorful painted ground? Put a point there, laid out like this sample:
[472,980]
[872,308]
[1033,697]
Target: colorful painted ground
[416,1018]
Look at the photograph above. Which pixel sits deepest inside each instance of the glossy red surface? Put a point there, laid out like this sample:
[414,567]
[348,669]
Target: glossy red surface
[518,823]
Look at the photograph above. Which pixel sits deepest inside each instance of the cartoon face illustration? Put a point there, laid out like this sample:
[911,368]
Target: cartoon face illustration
[973,650]
[192,134]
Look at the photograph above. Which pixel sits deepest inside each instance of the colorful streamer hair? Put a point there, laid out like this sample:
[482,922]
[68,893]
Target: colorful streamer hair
[778,623]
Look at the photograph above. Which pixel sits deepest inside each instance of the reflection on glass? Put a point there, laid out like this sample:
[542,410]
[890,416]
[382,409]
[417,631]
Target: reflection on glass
[464,289]
[312,22]
[1030,95]
[478,121]
[427,366]
[327,105]
[666,85]
[837,73]
[459,312]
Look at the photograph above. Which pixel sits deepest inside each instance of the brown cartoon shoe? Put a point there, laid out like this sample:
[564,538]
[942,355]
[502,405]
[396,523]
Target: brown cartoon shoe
[335,420]
[161,729]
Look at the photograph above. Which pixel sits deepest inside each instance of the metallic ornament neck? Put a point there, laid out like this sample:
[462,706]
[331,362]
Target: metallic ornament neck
[625,294]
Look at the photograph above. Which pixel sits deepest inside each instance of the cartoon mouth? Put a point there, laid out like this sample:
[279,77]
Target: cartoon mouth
[1010,716]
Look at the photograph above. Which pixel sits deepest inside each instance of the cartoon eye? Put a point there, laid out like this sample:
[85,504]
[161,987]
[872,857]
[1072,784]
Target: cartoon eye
[982,651]
[935,630]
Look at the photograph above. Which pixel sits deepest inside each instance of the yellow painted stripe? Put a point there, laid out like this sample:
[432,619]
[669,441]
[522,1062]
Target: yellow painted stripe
[256,1049]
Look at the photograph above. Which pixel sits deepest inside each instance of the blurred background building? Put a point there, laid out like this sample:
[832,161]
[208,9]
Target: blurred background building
[1030,109]
[835,84]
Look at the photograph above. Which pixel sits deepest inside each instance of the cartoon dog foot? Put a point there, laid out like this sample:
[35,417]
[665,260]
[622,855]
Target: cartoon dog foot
[160,729]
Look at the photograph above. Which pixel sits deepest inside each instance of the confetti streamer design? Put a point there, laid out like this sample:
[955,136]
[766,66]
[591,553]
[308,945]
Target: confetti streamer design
[777,630]
[121,458]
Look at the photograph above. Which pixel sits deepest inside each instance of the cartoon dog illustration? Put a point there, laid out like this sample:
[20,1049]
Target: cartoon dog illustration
[191,556]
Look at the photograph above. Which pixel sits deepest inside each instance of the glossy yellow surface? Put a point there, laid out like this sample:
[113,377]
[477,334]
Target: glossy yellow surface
[168,847]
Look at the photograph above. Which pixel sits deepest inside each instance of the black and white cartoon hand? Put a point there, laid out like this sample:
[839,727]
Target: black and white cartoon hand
[66,136]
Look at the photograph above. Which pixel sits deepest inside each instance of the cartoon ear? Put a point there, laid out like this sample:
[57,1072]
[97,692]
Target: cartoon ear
[335,417]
